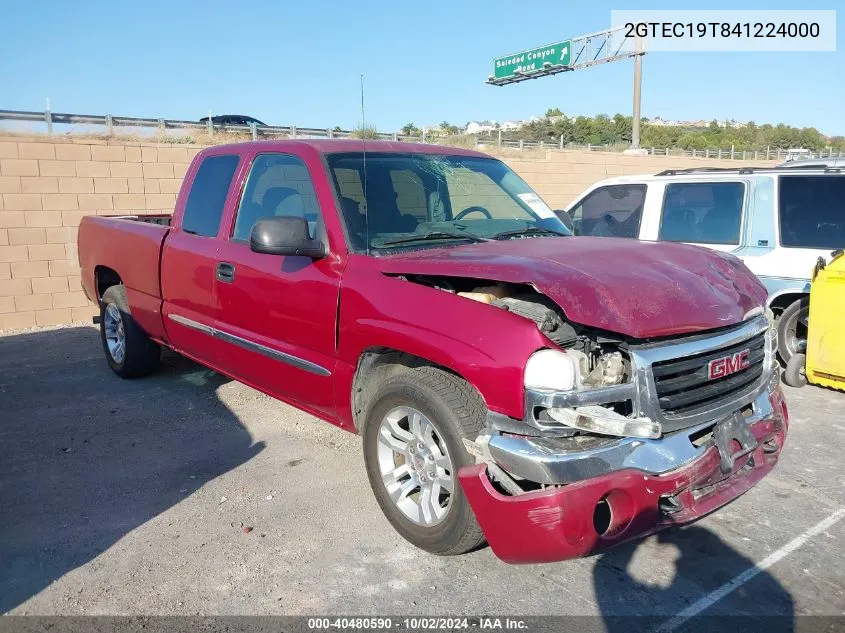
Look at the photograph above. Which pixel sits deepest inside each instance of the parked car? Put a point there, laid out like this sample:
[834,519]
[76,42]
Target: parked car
[232,119]
[777,221]
[551,394]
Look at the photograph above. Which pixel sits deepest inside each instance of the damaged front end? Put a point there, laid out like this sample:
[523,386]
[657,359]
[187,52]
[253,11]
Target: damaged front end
[621,437]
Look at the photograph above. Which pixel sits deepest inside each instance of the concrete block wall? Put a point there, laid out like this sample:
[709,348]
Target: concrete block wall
[46,187]
[48,184]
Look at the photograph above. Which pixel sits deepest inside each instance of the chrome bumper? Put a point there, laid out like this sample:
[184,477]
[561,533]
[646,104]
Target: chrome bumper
[559,460]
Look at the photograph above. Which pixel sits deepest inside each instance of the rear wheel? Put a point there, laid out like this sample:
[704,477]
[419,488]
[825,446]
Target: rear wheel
[129,351]
[792,329]
[413,448]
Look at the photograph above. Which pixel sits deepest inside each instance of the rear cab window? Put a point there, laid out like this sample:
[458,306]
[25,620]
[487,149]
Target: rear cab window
[207,197]
[702,212]
[610,211]
[812,211]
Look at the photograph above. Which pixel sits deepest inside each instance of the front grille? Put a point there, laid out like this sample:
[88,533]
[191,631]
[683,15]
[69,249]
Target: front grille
[683,385]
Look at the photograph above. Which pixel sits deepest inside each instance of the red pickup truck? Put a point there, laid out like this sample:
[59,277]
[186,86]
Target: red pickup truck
[550,394]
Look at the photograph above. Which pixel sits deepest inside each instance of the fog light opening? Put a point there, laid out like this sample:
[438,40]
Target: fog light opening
[613,514]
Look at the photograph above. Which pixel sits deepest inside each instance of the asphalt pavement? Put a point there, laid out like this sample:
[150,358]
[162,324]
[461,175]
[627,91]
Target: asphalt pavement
[188,493]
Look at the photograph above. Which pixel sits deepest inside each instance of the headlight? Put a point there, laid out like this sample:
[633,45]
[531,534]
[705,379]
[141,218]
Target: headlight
[552,369]
[585,399]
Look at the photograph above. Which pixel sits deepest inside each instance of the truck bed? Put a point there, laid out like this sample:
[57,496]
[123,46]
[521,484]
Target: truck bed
[129,244]
[162,219]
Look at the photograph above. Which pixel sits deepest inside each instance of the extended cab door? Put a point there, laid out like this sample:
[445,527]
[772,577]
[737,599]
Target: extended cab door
[278,313]
[190,255]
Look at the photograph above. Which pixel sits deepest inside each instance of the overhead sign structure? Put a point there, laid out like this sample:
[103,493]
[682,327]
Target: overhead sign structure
[573,54]
[536,60]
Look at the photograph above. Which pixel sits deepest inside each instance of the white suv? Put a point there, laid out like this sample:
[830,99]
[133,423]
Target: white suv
[779,221]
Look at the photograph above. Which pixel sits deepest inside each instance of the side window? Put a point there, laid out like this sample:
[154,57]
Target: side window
[610,211]
[204,207]
[812,211]
[702,212]
[278,184]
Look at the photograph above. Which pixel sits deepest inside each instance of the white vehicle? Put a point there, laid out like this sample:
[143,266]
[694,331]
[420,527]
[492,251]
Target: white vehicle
[779,221]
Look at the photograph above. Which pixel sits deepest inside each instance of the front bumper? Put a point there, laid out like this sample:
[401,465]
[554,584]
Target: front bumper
[590,515]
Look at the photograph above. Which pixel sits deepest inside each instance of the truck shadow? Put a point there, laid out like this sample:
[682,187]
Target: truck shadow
[630,602]
[88,457]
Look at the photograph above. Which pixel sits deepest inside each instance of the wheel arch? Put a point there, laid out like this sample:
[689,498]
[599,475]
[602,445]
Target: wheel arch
[376,364]
[105,278]
[782,300]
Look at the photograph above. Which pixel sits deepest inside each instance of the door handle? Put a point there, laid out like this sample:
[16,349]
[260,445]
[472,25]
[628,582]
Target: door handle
[225,272]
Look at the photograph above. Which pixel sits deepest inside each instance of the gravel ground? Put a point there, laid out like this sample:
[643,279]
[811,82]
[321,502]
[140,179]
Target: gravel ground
[136,497]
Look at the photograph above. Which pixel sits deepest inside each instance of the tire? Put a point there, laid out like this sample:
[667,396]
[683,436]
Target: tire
[792,329]
[795,374]
[456,412]
[140,354]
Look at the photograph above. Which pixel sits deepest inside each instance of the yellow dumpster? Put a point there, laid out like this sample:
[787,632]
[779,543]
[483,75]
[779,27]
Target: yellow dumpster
[824,363]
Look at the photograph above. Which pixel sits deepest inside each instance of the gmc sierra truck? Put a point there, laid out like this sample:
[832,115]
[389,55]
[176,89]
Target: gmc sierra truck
[550,394]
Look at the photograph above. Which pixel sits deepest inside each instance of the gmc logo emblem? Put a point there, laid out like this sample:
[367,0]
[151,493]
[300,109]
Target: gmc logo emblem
[727,365]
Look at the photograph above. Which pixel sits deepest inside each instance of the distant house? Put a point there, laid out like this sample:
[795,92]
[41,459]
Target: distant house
[480,127]
[511,125]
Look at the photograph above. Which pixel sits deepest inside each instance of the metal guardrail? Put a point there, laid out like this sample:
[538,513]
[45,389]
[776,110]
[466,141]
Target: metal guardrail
[162,126]
[109,123]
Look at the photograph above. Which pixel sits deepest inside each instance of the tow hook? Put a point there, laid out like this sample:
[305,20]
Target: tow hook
[770,446]
[669,504]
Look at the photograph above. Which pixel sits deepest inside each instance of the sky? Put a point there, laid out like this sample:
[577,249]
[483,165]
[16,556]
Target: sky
[299,62]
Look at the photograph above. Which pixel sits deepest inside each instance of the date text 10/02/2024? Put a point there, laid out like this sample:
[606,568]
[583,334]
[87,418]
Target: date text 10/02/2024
[416,623]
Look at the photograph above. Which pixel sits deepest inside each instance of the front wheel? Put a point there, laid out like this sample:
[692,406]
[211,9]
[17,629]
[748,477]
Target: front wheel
[793,326]
[795,374]
[413,448]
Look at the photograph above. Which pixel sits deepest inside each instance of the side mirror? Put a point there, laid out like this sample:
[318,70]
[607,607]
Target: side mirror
[566,219]
[285,235]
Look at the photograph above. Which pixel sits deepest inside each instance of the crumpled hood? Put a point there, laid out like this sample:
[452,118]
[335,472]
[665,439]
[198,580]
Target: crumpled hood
[638,289]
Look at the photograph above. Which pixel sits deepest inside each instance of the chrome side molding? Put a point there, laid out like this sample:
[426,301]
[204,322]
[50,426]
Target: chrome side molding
[232,339]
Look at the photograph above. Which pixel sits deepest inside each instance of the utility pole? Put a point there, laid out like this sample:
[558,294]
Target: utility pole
[638,84]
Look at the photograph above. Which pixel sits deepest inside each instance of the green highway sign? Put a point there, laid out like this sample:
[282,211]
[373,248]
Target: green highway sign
[527,62]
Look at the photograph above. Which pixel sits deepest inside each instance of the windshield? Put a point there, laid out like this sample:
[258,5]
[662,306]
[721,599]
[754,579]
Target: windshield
[425,200]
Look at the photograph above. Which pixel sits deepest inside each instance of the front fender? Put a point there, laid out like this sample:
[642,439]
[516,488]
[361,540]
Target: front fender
[780,286]
[485,345]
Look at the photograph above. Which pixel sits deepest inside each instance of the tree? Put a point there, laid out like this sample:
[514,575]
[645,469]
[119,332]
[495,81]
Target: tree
[603,129]
[449,129]
[409,129]
[365,132]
